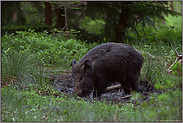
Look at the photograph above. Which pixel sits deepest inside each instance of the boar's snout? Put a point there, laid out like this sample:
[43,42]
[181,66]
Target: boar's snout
[83,91]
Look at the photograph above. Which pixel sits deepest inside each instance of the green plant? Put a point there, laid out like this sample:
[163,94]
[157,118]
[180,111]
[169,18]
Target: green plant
[19,69]
[47,49]
[13,28]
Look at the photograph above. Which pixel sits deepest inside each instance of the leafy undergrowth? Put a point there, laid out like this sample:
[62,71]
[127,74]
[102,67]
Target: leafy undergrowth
[49,49]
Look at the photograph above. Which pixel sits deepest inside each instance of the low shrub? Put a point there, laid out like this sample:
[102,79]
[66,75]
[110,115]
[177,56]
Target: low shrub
[49,50]
[13,28]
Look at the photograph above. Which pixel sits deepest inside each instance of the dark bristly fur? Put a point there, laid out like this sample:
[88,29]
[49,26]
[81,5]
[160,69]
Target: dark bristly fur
[104,64]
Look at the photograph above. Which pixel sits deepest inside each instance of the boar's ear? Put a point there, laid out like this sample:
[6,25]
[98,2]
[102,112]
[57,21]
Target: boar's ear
[88,67]
[73,62]
[88,64]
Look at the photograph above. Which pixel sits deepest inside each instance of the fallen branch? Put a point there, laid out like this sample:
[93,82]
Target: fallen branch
[145,93]
[126,96]
[115,87]
[147,100]
[178,58]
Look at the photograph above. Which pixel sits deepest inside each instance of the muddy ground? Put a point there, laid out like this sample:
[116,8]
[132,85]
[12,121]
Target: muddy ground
[65,83]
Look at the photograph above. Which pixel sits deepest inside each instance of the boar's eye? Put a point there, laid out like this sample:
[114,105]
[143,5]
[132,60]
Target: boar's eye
[83,91]
[81,78]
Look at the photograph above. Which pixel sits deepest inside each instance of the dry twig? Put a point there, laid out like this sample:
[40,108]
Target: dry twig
[118,86]
[126,96]
[178,58]
[114,87]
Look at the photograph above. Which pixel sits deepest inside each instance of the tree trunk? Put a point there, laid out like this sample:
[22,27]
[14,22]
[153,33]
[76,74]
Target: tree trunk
[171,5]
[47,13]
[60,21]
[122,24]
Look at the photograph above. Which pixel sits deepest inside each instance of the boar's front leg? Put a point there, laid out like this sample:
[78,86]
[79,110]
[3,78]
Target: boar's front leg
[100,87]
[126,87]
[133,80]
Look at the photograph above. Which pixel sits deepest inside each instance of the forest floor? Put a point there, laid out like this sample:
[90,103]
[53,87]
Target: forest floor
[64,83]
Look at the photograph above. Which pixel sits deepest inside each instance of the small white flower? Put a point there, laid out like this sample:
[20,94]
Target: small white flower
[13,119]
[26,112]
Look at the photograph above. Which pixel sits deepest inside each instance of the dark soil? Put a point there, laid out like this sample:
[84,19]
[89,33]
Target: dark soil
[64,83]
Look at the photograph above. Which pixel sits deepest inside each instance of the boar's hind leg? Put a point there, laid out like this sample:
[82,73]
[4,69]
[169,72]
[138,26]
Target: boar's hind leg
[100,88]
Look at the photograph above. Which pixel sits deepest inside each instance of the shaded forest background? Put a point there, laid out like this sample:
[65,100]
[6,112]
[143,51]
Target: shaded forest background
[91,21]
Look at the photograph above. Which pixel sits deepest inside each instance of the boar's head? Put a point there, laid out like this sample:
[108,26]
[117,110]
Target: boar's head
[81,74]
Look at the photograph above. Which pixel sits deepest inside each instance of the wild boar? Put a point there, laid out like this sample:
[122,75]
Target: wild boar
[105,64]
